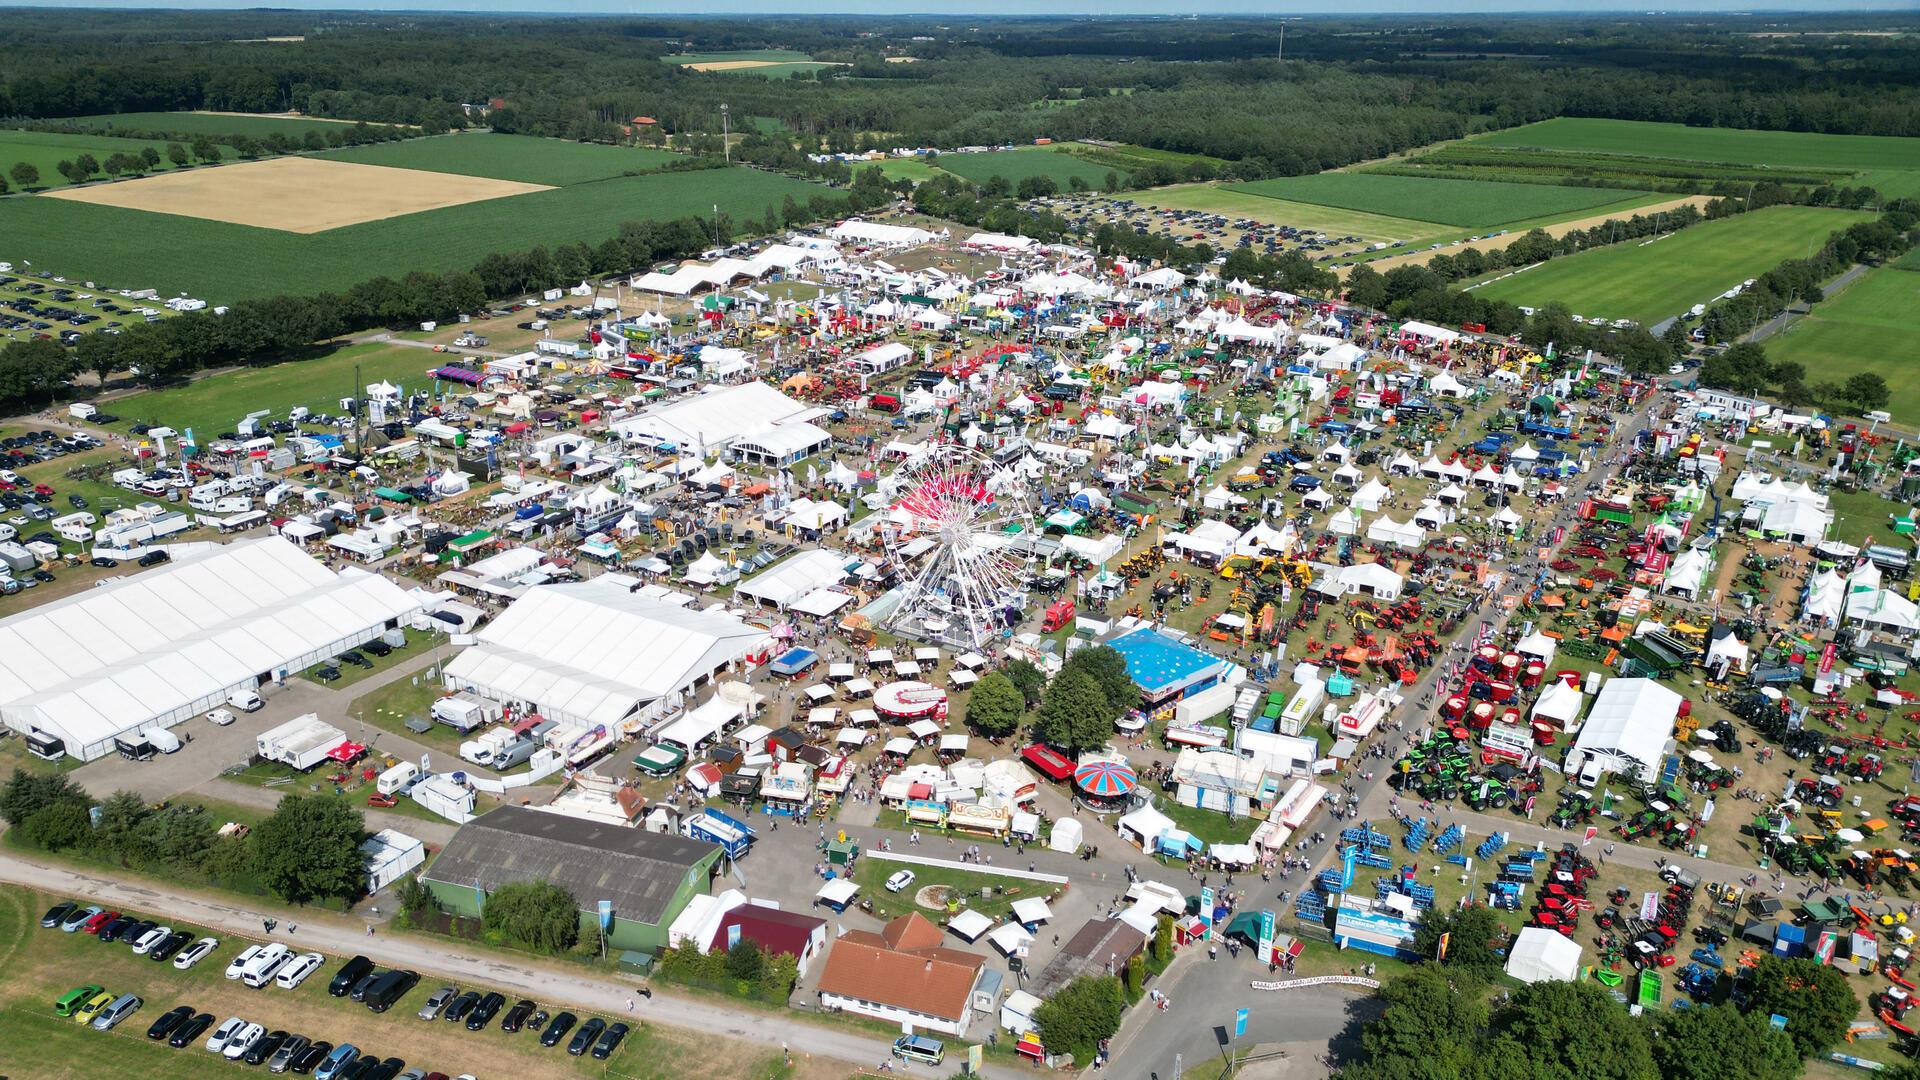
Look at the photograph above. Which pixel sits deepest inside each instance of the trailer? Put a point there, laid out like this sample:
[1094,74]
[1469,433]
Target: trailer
[300,743]
[734,836]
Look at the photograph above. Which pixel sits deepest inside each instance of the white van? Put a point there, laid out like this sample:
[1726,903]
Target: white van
[245,700]
[163,740]
[264,965]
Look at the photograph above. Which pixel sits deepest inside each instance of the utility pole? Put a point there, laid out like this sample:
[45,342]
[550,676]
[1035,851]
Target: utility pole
[1280,57]
[726,138]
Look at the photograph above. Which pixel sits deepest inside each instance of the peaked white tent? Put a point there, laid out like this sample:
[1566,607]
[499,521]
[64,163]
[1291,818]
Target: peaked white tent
[1539,954]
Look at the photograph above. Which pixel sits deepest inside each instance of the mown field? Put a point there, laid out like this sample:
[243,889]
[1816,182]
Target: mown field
[45,150]
[1016,165]
[1778,148]
[219,261]
[1467,204]
[1649,281]
[1214,199]
[197,123]
[763,63]
[555,162]
[216,403]
[1868,326]
[43,964]
[1525,164]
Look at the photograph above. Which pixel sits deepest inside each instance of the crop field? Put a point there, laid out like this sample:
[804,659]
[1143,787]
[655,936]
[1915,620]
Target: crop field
[1649,281]
[1474,161]
[208,123]
[1468,204]
[550,162]
[43,964]
[1214,199]
[219,261]
[1791,149]
[216,403]
[1868,326]
[45,150]
[1127,156]
[296,194]
[1017,165]
[765,63]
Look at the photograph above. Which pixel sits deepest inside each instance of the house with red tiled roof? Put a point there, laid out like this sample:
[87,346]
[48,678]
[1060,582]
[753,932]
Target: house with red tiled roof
[777,932]
[902,975]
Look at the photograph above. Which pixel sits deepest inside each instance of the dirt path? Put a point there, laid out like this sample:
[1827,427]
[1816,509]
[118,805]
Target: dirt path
[1491,242]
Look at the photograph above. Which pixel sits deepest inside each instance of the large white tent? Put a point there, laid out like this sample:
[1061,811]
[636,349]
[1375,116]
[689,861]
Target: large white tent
[1629,727]
[712,420]
[159,647]
[594,652]
[1539,954]
[785,582]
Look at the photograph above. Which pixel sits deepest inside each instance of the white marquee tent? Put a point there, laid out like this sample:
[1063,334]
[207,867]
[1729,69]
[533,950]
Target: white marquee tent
[1540,954]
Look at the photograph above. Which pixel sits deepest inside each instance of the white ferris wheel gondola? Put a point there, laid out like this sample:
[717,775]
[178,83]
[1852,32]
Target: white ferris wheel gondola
[971,510]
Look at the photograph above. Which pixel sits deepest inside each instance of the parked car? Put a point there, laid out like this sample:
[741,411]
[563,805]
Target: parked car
[516,1017]
[584,1039]
[170,1022]
[98,920]
[195,952]
[78,919]
[350,973]
[900,879]
[309,1059]
[283,1058]
[220,717]
[458,1007]
[93,1007]
[169,945]
[337,1062]
[390,988]
[238,965]
[145,943]
[297,970]
[222,1035]
[387,1070]
[557,1029]
[121,1008]
[436,1001]
[186,1033]
[482,1014]
[113,928]
[57,914]
[71,1001]
[242,1041]
[265,1047]
[609,1042]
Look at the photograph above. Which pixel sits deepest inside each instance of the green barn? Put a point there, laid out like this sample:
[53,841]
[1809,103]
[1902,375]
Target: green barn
[649,877]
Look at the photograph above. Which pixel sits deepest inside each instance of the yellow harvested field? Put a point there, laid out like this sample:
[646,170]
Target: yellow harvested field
[1559,230]
[733,65]
[295,194]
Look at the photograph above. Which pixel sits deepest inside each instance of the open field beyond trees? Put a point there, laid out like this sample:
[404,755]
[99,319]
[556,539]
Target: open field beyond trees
[1465,203]
[550,162]
[207,123]
[1332,220]
[1651,280]
[1778,148]
[220,261]
[1868,326]
[1016,165]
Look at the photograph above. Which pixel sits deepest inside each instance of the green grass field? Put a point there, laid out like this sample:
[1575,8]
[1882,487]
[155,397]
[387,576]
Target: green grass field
[1868,326]
[1017,165]
[914,169]
[1779,148]
[1468,204]
[223,262]
[1128,156]
[1333,221]
[196,123]
[45,150]
[555,162]
[217,402]
[1647,282]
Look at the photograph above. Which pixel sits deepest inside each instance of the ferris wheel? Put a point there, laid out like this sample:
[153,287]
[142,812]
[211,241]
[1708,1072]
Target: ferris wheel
[960,590]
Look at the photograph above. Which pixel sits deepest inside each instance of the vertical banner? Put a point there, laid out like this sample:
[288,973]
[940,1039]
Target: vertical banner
[1826,657]
[606,915]
[1240,1023]
[1592,831]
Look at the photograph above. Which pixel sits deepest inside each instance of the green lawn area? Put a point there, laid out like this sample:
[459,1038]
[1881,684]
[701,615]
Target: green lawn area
[528,160]
[1334,221]
[1868,326]
[216,403]
[43,964]
[1018,164]
[274,776]
[199,123]
[391,706]
[1784,148]
[872,874]
[1208,825]
[914,169]
[1468,204]
[353,673]
[1860,514]
[45,150]
[1651,280]
[221,262]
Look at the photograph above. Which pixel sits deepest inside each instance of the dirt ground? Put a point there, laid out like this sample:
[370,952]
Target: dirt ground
[296,194]
[1562,229]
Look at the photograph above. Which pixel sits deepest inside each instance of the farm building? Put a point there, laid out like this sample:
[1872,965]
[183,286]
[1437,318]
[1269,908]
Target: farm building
[902,975]
[648,877]
[752,421]
[595,653]
[151,651]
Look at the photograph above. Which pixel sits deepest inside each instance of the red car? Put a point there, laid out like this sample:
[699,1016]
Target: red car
[93,925]
[42,489]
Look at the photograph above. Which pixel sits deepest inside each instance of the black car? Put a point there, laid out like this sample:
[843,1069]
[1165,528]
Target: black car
[350,972]
[190,1030]
[264,1047]
[43,576]
[169,945]
[76,502]
[390,988]
[516,1017]
[154,558]
[363,1069]
[387,1069]
[482,1013]
[138,930]
[103,562]
[57,914]
[111,931]
[326,673]
[609,1042]
[365,983]
[458,1008]
[557,1029]
[355,659]
[170,1023]
[377,647]
[305,1061]
[584,1038]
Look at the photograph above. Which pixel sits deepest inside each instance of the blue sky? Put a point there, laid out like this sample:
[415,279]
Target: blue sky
[1007,7]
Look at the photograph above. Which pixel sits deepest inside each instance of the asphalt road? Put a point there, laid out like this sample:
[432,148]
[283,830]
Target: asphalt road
[339,937]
